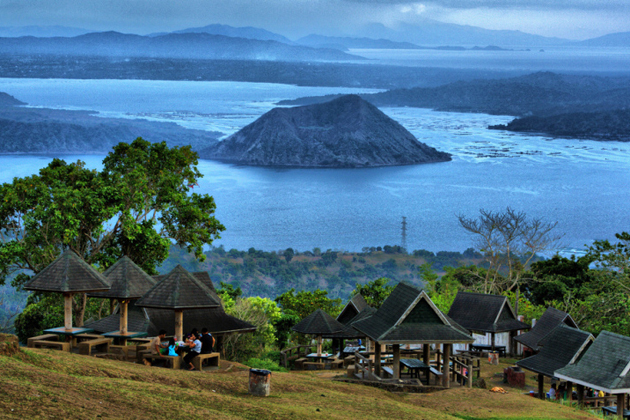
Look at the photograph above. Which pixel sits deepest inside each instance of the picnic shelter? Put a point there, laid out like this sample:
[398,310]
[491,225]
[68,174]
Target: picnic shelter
[408,316]
[604,366]
[486,314]
[561,347]
[547,323]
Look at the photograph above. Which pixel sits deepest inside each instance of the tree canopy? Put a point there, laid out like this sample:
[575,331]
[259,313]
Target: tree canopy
[137,205]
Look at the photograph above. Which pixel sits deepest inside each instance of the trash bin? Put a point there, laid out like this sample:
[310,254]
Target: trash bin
[259,382]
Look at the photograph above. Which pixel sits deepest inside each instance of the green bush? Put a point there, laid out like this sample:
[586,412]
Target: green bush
[267,364]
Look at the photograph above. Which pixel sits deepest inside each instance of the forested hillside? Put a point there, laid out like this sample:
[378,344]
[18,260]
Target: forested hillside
[269,274]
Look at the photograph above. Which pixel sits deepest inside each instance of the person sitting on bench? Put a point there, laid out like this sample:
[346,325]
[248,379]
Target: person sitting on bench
[207,341]
[195,349]
[157,347]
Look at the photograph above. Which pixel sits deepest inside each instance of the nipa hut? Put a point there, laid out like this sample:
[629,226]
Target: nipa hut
[547,323]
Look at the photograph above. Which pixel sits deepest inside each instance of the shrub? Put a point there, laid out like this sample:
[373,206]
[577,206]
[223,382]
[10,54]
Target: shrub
[267,364]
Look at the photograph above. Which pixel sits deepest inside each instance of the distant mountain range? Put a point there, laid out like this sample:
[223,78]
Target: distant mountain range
[184,45]
[347,132]
[619,39]
[242,32]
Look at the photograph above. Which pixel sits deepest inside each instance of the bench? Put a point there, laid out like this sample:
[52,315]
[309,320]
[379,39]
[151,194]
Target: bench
[336,363]
[435,372]
[174,362]
[45,337]
[213,360]
[299,363]
[387,372]
[314,365]
[57,345]
[86,347]
[348,360]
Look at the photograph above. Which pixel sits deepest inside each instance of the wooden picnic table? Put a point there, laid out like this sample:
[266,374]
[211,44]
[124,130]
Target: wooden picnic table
[415,366]
[321,357]
[481,348]
[612,410]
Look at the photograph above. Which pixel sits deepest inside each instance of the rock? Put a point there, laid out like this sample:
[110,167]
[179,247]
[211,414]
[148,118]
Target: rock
[347,132]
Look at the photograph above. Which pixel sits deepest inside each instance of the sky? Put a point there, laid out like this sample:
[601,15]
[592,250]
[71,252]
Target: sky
[570,19]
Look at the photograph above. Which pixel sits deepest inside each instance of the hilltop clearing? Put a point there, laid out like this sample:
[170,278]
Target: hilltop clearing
[52,384]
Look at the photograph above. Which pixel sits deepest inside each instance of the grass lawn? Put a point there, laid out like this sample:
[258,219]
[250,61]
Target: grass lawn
[51,384]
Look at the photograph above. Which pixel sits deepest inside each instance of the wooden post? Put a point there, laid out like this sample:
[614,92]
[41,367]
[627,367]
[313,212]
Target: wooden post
[621,402]
[541,386]
[569,388]
[179,324]
[426,353]
[396,349]
[377,360]
[67,311]
[446,371]
[492,341]
[512,344]
[580,392]
[123,316]
[319,345]
[470,373]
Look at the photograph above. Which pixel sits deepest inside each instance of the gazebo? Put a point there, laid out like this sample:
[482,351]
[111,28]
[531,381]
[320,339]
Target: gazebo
[483,313]
[178,291]
[318,323]
[355,309]
[547,323]
[69,274]
[408,316]
[605,366]
[151,320]
[355,305]
[562,346]
[128,282]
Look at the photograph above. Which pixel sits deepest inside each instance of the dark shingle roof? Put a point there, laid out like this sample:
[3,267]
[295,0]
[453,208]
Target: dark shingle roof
[604,365]
[349,331]
[151,320]
[562,345]
[203,277]
[318,322]
[179,290]
[547,322]
[70,274]
[127,280]
[485,313]
[409,316]
[355,305]
[137,321]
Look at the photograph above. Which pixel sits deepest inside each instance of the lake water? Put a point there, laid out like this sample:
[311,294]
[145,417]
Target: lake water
[584,185]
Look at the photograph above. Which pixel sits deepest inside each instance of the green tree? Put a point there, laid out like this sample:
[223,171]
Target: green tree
[137,205]
[374,292]
[304,302]
[288,254]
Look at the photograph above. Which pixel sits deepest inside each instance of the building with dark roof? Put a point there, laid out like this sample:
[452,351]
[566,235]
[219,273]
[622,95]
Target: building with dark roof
[604,366]
[408,316]
[355,305]
[547,322]
[561,347]
[483,313]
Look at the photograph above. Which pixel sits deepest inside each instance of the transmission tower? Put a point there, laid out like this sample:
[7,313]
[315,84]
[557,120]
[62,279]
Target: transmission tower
[403,241]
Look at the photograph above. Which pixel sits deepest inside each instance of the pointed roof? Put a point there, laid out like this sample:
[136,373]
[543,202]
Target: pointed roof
[547,322]
[68,274]
[355,305]
[128,281]
[408,316]
[605,365]
[179,290]
[563,345]
[203,277]
[349,332]
[485,313]
[137,320]
[318,323]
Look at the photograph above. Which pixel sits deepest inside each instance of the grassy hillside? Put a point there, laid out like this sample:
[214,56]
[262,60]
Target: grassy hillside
[51,384]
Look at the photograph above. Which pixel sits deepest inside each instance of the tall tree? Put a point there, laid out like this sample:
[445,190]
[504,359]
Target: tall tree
[510,240]
[374,292]
[137,205]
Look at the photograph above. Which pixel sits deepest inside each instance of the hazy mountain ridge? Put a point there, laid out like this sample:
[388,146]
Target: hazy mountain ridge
[346,132]
[248,32]
[41,130]
[184,45]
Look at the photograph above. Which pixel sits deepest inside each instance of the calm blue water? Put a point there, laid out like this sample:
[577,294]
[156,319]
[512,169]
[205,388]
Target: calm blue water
[557,59]
[584,185]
